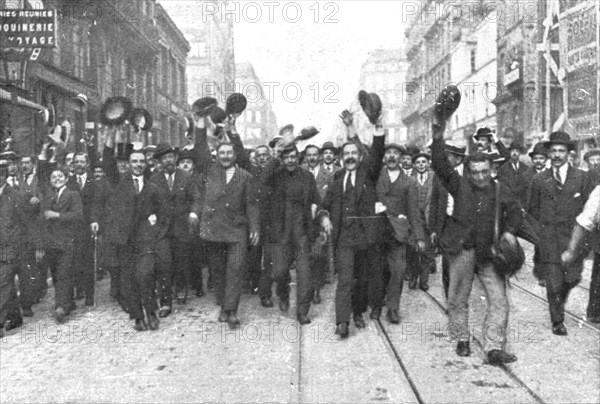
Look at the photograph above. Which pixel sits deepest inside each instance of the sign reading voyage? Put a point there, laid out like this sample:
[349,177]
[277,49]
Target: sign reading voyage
[27,28]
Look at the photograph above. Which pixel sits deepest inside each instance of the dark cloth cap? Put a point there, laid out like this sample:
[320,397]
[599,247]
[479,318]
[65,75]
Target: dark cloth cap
[328,146]
[185,154]
[396,146]
[590,153]
[539,148]
[162,149]
[421,154]
[460,151]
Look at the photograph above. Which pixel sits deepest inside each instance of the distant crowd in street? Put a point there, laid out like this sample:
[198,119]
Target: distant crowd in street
[364,218]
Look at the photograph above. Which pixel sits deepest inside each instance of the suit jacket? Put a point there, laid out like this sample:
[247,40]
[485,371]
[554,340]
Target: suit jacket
[125,213]
[263,194]
[401,198]
[324,179]
[461,227]
[60,233]
[179,201]
[227,211]
[556,210]
[367,175]
[276,177]
[12,227]
[439,204]
[425,193]
[87,195]
[517,181]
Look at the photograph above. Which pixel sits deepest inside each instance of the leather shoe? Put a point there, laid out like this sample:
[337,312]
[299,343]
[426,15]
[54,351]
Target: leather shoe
[463,348]
[59,314]
[424,287]
[199,292]
[223,316]
[592,319]
[12,322]
[164,311]
[412,284]
[342,330]
[1,332]
[393,316]
[72,306]
[233,321]
[153,322]
[27,312]
[498,357]
[266,302]
[359,322]
[303,319]
[375,313]
[284,305]
[317,297]
[140,325]
[559,329]
[89,301]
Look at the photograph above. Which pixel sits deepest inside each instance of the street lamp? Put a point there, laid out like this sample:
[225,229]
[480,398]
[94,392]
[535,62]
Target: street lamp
[13,68]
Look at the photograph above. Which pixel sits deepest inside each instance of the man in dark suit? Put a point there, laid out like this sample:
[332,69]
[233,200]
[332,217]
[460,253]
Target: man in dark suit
[557,197]
[294,198]
[442,205]
[179,191]
[467,240]
[228,217]
[539,156]
[62,212]
[484,138]
[516,175]
[349,211]
[83,260]
[136,221]
[398,194]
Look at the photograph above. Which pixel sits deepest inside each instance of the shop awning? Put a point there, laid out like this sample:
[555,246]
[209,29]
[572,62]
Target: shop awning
[20,101]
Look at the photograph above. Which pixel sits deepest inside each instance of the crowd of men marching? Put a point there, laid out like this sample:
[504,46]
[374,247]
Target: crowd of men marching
[376,216]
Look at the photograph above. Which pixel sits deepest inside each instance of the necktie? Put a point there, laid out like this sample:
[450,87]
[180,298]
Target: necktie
[349,186]
[56,195]
[137,185]
[422,178]
[558,179]
[80,181]
[170,182]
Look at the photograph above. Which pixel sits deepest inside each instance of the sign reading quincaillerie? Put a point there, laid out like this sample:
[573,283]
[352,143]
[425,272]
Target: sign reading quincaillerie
[27,28]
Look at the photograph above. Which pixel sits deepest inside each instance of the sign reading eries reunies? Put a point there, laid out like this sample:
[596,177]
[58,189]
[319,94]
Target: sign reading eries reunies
[28,28]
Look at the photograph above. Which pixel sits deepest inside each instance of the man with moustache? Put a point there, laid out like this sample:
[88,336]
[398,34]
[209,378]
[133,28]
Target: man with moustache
[468,240]
[348,211]
[228,215]
[136,221]
[515,175]
[558,195]
[399,195]
[179,191]
[293,201]
[484,139]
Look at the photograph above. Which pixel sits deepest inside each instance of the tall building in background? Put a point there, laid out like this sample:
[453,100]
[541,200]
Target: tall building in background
[258,123]
[211,61]
[447,47]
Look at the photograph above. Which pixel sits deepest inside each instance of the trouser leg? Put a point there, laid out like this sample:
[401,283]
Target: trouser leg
[396,259]
[216,262]
[496,315]
[28,272]
[593,308]
[553,274]
[360,292]
[343,293]
[462,273]
[266,275]
[445,274]
[64,277]
[236,256]
[83,263]
[8,296]
[304,277]
[280,255]
[163,269]
[182,262]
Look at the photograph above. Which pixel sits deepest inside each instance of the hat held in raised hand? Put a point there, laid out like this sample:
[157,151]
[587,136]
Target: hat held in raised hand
[371,105]
[203,106]
[236,104]
[115,111]
[141,119]
[447,103]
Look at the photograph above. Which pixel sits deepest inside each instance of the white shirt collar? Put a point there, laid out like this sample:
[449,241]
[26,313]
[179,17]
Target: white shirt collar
[563,172]
[61,190]
[460,169]
[352,175]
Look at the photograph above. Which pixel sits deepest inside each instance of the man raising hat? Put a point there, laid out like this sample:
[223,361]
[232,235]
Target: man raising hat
[557,197]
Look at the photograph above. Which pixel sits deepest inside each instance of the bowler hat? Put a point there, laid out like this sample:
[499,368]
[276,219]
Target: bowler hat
[539,148]
[371,105]
[115,110]
[560,138]
[396,146]
[141,119]
[590,153]
[483,132]
[308,133]
[517,146]
[236,104]
[421,154]
[328,146]
[162,149]
[203,106]
[124,150]
[447,103]
[459,151]
[185,154]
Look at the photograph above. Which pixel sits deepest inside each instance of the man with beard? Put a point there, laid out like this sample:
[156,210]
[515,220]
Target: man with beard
[61,212]
[179,191]
[136,222]
[350,203]
[291,225]
[468,240]
[398,194]
[442,205]
[228,217]
[83,260]
[557,197]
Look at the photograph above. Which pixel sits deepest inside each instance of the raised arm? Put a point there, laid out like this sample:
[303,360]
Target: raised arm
[448,177]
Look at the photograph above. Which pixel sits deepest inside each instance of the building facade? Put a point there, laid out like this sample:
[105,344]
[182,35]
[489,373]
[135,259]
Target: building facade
[103,49]
[258,124]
